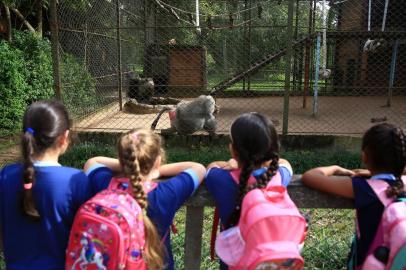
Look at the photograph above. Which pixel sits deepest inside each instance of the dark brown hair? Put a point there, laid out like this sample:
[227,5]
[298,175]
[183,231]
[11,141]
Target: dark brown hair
[255,141]
[385,147]
[43,123]
[138,150]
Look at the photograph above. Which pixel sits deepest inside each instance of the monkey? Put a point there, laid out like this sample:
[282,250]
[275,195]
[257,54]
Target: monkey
[191,116]
[324,73]
[172,42]
[372,45]
[142,89]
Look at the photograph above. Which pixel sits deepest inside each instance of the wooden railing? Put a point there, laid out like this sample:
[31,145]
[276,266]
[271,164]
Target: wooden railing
[301,195]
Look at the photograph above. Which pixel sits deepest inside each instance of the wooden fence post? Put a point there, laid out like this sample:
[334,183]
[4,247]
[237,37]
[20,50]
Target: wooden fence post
[193,237]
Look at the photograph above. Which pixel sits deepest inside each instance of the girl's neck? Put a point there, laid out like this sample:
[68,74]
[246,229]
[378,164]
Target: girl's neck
[50,155]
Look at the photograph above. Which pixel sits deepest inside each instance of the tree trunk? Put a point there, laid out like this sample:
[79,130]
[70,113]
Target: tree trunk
[8,22]
[39,17]
[23,19]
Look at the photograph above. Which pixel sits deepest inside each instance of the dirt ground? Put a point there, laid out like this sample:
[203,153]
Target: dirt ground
[335,115]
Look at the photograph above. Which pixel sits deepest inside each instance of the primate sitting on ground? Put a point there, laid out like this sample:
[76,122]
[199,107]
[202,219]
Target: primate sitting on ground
[191,116]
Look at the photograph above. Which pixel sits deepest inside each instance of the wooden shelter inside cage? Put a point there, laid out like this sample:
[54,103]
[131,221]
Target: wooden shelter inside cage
[177,70]
[370,72]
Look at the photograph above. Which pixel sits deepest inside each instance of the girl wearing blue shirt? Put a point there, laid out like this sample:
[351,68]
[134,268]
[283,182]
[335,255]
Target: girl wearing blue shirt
[384,156]
[254,149]
[139,159]
[38,196]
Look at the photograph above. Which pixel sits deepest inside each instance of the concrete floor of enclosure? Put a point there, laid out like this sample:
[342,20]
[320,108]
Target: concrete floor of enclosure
[336,115]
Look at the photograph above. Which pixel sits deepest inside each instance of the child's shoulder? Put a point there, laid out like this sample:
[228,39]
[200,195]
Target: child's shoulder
[12,167]
[217,172]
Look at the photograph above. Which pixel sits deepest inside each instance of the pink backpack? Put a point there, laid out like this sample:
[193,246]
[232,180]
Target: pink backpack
[108,231]
[269,233]
[389,244]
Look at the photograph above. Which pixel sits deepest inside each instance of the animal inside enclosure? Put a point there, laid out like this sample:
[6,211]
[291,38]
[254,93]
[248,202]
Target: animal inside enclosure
[316,66]
[338,115]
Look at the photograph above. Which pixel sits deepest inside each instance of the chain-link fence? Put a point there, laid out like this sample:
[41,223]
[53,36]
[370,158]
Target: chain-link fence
[346,72]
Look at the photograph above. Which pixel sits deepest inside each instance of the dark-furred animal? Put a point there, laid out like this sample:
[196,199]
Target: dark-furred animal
[142,89]
[191,116]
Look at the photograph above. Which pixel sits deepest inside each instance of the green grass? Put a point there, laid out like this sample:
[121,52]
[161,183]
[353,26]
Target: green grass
[301,160]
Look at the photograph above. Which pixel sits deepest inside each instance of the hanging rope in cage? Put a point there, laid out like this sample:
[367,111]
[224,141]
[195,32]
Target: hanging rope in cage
[324,73]
[372,44]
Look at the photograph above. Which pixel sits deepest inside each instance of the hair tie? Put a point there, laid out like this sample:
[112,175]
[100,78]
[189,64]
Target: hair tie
[30,130]
[28,186]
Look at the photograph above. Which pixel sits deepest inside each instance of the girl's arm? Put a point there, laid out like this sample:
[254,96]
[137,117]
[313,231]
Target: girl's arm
[323,179]
[111,163]
[231,164]
[285,163]
[176,168]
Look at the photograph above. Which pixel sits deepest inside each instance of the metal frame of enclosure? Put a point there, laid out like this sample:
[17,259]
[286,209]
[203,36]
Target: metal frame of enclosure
[314,66]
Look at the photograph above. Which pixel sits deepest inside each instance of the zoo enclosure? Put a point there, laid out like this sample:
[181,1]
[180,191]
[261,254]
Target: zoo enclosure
[262,55]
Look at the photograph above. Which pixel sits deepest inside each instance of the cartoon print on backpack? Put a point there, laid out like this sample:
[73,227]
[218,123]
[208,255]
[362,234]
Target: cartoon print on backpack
[108,233]
[89,254]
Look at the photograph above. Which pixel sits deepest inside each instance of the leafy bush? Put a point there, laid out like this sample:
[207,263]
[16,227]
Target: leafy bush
[25,76]
[79,88]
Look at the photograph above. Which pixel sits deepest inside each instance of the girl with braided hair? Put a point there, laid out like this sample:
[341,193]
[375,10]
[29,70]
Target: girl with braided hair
[38,196]
[140,155]
[384,156]
[254,150]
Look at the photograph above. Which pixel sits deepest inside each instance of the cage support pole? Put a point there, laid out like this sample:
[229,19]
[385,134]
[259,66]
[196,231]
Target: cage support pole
[55,49]
[289,51]
[249,46]
[392,72]
[316,77]
[295,60]
[119,71]
[307,58]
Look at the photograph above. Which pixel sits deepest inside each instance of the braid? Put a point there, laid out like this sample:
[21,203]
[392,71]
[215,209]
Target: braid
[397,188]
[131,164]
[28,204]
[131,169]
[264,179]
[138,189]
[243,181]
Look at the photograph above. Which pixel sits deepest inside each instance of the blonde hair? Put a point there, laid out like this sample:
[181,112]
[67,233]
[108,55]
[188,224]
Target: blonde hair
[138,151]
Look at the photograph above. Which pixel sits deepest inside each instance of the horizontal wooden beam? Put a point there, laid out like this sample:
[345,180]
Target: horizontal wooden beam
[303,196]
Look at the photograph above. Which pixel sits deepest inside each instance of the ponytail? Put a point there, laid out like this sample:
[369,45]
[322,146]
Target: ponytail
[397,188]
[131,167]
[28,204]
[43,123]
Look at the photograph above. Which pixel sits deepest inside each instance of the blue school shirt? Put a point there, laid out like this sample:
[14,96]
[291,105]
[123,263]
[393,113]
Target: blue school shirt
[163,201]
[58,193]
[224,190]
[369,210]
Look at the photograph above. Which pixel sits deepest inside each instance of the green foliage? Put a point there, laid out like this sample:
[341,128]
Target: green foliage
[25,76]
[38,64]
[79,87]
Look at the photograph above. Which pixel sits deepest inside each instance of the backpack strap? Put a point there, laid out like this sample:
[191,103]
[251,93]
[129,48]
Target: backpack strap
[379,187]
[216,219]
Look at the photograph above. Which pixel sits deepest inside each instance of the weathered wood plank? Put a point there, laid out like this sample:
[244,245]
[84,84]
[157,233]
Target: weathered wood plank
[193,237]
[303,196]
